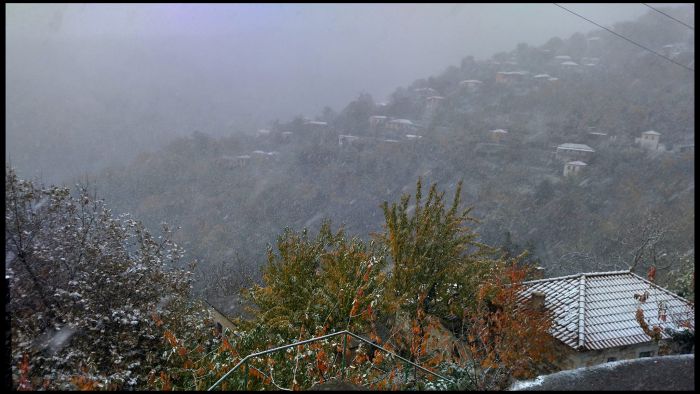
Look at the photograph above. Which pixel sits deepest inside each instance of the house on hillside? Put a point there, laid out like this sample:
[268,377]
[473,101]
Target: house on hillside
[242,160]
[471,85]
[347,140]
[263,133]
[573,167]
[319,131]
[426,92]
[402,126]
[684,148]
[649,140]
[508,77]
[598,138]
[498,135]
[433,102]
[571,152]
[594,315]
[286,136]
[377,121]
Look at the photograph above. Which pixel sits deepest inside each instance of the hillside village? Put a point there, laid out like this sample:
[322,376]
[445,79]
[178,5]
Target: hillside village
[578,153]
[521,119]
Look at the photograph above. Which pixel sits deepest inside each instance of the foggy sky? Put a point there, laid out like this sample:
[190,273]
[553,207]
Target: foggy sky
[91,84]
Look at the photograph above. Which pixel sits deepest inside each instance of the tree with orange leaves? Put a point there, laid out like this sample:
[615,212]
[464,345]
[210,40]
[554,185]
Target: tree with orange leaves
[506,339]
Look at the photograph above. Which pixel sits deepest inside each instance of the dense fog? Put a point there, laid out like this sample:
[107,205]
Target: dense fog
[91,85]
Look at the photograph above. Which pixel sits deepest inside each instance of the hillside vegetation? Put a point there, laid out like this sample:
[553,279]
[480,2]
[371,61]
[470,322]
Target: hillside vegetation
[628,206]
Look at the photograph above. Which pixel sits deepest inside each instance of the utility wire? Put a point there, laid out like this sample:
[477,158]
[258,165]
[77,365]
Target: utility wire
[663,13]
[626,39]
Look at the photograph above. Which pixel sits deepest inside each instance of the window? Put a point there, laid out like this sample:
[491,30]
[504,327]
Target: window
[611,359]
[646,354]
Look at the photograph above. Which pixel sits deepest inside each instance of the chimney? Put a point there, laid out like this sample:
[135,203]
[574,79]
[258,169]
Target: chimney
[537,300]
[538,273]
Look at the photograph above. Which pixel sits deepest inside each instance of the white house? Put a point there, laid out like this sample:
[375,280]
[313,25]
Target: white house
[471,85]
[573,167]
[346,139]
[498,135]
[434,101]
[377,120]
[402,125]
[649,140]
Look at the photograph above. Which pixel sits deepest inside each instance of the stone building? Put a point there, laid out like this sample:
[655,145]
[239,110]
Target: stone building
[649,140]
[573,167]
[594,315]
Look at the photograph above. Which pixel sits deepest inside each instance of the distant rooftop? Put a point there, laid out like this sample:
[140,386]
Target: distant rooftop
[577,163]
[651,132]
[402,121]
[500,131]
[578,147]
[597,310]
[514,72]
[569,63]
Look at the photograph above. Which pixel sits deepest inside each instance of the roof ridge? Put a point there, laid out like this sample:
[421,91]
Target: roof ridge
[578,275]
[582,311]
[663,289]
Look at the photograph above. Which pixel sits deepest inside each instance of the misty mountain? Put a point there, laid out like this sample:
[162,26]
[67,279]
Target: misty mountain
[232,195]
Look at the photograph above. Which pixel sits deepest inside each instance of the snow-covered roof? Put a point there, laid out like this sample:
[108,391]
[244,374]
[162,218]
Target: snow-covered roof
[470,82]
[651,132]
[577,163]
[598,310]
[569,63]
[426,90]
[259,152]
[377,117]
[316,122]
[513,72]
[402,121]
[500,131]
[578,147]
[539,76]
[563,57]
[554,79]
[597,133]
[413,136]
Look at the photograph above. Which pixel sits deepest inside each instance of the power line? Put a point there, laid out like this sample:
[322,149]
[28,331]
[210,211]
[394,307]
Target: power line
[663,13]
[626,39]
